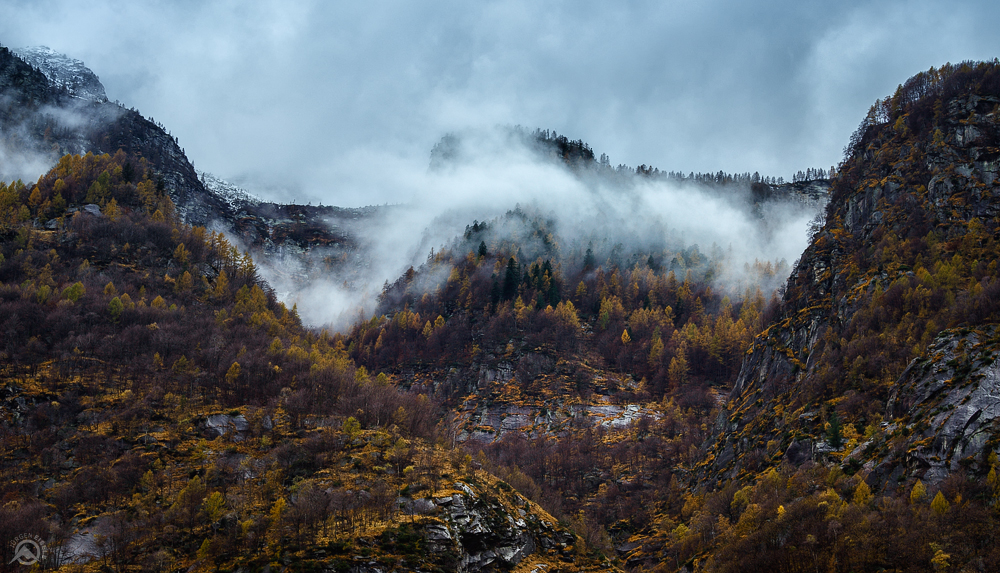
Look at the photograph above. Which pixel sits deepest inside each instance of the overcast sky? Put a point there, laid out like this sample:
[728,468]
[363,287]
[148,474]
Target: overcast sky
[338,102]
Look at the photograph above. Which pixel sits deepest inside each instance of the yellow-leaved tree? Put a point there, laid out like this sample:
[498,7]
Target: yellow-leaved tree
[918,493]
[862,494]
[940,505]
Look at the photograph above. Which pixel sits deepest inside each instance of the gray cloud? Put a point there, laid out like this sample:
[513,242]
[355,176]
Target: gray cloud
[320,98]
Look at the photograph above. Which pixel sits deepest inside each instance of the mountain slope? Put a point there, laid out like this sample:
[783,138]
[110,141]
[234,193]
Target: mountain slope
[42,120]
[65,72]
[861,433]
[159,409]
[908,248]
[51,104]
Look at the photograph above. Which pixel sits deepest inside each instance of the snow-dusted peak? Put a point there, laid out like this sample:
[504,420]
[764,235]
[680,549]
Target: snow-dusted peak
[65,71]
[236,197]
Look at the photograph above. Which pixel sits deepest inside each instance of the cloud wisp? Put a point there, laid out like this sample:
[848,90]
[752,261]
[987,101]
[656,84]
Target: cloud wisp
[612,212]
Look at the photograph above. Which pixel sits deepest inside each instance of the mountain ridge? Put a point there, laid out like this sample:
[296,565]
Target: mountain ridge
[48,121]
[887,196]
[303,245]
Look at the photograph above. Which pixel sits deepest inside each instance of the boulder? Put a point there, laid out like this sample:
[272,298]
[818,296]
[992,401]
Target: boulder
[482,534]
[218,425]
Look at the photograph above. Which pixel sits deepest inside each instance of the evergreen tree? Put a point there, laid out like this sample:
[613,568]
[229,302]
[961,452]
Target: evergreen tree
[511,279]
[496,292]
[588,259]
[834,434]
[553,294]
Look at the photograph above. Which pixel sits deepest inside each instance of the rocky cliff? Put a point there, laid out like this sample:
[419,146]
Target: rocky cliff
[59,107]
[949,401]
[907,249]
[65,72]
[482,528]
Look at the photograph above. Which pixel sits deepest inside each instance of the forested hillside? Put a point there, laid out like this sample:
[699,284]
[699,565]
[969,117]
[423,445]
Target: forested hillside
[162,411]
[585,378]
[867,404]
[599,383]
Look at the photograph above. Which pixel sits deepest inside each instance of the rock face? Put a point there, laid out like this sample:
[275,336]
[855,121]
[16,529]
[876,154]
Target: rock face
[63,71]
[62,109]
[489,422]
[525,394]
[929,174]
[478,528]
[218,425]
[950,401]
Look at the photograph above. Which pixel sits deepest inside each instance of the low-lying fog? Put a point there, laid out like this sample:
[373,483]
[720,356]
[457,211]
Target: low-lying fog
[492,172]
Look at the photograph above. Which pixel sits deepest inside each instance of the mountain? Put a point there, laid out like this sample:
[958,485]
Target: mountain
[857,425]
[65,72]
[54,104]
[899,273]
[57,108]
[868,406]
[577,385]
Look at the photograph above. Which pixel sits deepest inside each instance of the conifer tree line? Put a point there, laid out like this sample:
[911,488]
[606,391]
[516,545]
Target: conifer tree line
[579,154]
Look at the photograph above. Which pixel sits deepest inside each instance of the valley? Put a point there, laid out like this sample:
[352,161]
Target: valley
[591,379]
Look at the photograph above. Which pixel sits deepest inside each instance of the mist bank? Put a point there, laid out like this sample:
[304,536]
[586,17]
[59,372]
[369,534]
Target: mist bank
[33,140]
[535,202]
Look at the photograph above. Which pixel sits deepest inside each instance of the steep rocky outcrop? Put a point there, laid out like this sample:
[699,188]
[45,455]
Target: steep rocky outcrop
[60,108]
[949,402]
[916,199]
[483,531]
[65,72]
